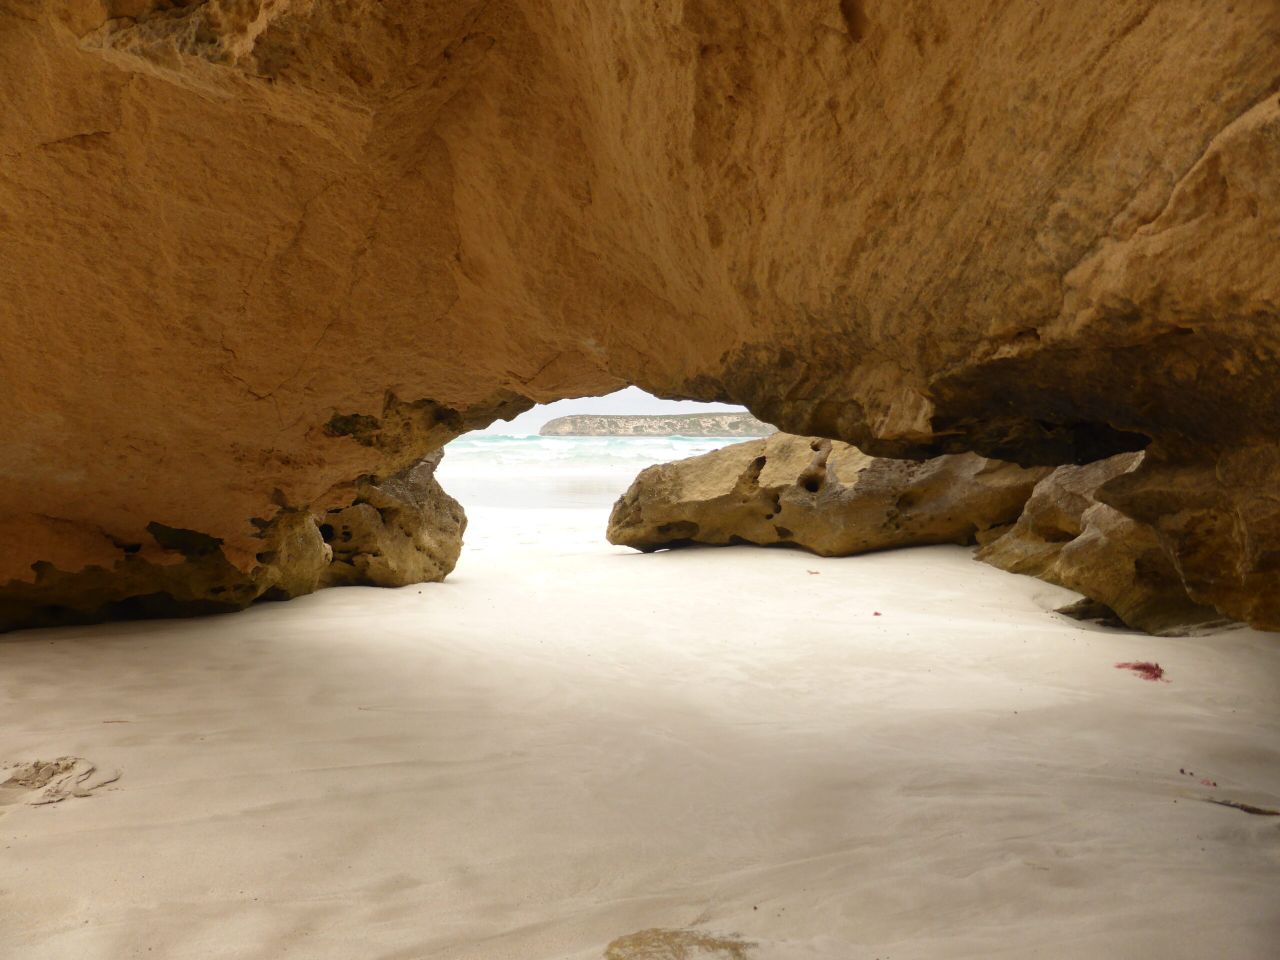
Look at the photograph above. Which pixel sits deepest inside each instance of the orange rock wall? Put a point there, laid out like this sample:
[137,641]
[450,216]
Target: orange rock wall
[253,250]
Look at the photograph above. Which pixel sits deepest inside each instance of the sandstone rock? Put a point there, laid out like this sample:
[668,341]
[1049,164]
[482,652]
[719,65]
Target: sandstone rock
[174,573]
[825,496]
[1218,517]
[1066,536]
[403,530]
[251,251]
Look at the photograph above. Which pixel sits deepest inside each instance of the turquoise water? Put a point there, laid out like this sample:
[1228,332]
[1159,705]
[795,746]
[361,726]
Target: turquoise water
[487,470]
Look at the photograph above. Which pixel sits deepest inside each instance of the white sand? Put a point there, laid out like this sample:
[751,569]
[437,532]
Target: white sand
[567,743]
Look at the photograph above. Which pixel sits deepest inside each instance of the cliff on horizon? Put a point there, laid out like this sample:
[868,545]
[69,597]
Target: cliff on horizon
[657,425]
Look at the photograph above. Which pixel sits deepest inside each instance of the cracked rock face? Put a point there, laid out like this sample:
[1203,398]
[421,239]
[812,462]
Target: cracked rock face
[1066,536]
[1218,518]
[251,251]
[824,496]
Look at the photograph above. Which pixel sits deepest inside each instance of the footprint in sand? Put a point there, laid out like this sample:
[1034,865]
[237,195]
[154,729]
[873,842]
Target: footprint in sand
[42,782]
[677,945]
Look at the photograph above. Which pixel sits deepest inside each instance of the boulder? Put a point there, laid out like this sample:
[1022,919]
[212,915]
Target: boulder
[1066,536]
[822,495]
[1218,516]
[399,531]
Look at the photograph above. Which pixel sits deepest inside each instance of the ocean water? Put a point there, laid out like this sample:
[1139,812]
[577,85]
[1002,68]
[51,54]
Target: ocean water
[488,470]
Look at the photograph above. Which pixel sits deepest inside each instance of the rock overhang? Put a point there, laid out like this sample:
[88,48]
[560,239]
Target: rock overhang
[232,231]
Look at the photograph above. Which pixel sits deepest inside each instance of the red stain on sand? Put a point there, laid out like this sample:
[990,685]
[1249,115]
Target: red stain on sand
[1144,668]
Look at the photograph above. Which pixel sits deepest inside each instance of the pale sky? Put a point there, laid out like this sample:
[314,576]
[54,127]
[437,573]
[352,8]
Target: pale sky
[632,400]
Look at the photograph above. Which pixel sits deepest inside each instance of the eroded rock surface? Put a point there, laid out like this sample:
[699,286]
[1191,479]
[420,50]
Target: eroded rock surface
[252,251]
[172,573]
[821,495]
[1066,536]
[1218,516]
[399,531]
[834,500]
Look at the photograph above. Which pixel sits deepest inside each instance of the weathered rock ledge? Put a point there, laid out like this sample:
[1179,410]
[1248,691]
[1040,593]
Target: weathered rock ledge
[832,499]
[821,495]
[403,530]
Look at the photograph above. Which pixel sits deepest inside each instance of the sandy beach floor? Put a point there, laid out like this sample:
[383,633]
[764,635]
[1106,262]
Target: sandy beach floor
[570,751]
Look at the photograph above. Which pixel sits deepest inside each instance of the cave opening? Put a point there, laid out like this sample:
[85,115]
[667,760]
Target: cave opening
[550,475]
[580,453]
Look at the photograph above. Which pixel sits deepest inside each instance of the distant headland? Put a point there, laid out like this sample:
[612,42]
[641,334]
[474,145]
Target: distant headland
[658,425]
